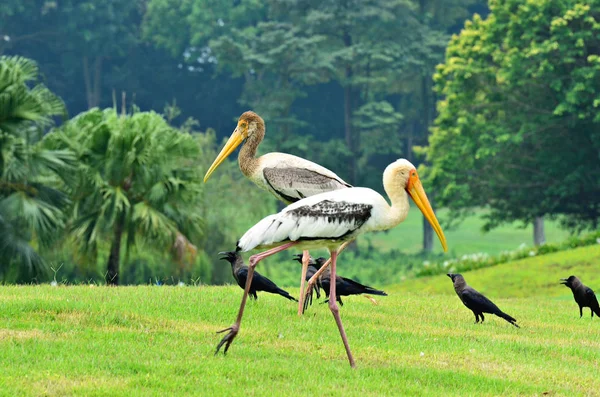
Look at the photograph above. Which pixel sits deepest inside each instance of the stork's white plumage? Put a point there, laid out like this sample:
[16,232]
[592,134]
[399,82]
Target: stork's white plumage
[324,220]
[329,219]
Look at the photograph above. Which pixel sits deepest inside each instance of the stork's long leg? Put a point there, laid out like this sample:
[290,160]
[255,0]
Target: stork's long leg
[254,259]
[335,309]
[313,280]
[305,259]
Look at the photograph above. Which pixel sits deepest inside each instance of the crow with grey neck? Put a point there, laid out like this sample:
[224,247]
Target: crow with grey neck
[584,296]
[259,282]
[476,302]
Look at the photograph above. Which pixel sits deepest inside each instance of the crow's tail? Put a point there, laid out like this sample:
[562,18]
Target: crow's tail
[596,310]
[373,291]
[508,318]
[285,294]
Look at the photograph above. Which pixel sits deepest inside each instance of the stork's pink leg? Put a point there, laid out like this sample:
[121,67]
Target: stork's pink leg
[305,259]
[254,259]
[335,309]
[313,280]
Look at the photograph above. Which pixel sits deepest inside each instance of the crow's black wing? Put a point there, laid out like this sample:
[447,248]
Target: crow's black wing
[348,286]
[590,296]
[478,302]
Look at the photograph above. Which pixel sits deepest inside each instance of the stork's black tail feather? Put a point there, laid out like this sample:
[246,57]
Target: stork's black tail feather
[237,246]
[285,294]
[508,318]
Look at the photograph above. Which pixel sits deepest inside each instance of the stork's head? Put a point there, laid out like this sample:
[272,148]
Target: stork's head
[401,174]
[249,125]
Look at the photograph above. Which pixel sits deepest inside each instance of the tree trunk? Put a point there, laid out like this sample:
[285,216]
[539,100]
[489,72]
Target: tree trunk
[92,87]
[425,93]
[539,237]
[348,115]
[112,272]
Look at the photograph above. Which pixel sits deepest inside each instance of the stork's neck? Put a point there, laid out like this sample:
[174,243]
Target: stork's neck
[247,157]
[398,211]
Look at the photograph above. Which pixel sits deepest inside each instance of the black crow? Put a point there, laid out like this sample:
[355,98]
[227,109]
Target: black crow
[584,296]
[259,282]
[343,286]
[476,302]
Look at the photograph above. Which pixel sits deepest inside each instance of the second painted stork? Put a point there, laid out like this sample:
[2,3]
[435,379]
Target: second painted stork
[329,219]
[289,178]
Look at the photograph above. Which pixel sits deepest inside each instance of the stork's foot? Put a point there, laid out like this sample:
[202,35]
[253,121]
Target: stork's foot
[227,339]
[308,296]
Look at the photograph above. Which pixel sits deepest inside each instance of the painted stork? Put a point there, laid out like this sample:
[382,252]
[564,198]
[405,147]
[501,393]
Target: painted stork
[289,178]
[329,219]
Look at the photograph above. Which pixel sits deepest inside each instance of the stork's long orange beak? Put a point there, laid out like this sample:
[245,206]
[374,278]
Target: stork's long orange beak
[417,193]
[233,142]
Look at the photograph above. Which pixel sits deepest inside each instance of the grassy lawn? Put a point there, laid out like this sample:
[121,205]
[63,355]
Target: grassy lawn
[465,239]
[160,340]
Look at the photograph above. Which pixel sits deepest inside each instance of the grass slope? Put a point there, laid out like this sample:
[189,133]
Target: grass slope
[540,274]
[160,340]
[467,238]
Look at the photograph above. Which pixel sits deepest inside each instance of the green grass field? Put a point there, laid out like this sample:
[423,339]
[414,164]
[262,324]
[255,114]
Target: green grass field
[467,238]
[418,341]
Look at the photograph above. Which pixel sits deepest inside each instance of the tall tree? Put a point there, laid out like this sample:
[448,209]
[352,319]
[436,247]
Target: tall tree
[136,181]
[30,208]
[509,109]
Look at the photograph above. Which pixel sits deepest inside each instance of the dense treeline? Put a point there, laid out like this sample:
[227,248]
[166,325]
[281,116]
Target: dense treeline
[116,194]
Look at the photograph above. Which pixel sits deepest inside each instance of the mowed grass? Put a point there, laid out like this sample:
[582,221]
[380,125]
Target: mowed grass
[467,238]
[160,340]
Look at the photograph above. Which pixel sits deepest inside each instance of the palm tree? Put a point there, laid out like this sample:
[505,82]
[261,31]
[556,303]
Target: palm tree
[136,180]
[30,210]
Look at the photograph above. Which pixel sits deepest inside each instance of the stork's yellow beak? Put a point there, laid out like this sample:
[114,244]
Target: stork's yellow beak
[417,193]
[233,142]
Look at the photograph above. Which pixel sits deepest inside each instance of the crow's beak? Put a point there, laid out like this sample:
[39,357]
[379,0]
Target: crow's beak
[564,281]
[450,275]
[227,255]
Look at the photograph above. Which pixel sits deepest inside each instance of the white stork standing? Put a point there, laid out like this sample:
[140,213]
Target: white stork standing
[329,219]
[287,177]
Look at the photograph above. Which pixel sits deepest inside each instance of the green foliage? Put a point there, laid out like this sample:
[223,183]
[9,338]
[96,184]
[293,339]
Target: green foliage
[514,134]
[160,341]
[136,178]
[30,208]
